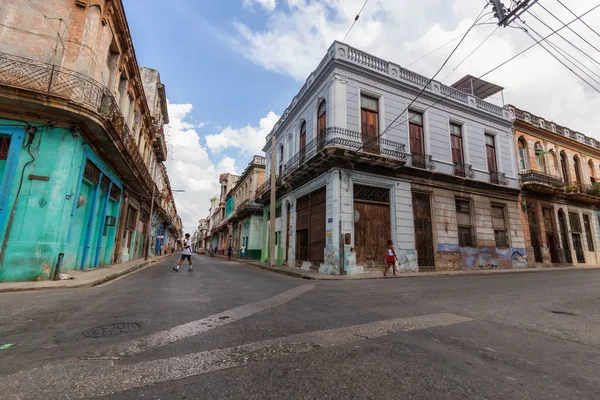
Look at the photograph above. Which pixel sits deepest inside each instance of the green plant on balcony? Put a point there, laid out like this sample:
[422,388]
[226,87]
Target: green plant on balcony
[571,189]
[594,190]
[278,181]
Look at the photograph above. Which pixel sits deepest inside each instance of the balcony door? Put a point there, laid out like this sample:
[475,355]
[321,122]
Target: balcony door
[369,117]
[417,139]
[321,124]
[302,155]
[457,149]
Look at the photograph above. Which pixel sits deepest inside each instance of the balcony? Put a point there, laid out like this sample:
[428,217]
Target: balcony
[336,141]
[498,178]
[463,170]
[584,193]
[539,182]
[76,94]
[422,160]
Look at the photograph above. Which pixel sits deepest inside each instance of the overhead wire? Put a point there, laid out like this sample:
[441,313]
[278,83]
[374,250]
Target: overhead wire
[561,61]
[564,38]
[571,29]
[511,58]
[582,21]
[431,79]
[355,20]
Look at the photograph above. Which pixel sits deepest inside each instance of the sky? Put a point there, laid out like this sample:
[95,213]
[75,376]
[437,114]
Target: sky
[231,67]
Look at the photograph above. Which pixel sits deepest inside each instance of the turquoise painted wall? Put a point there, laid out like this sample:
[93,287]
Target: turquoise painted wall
[229,205]
[45,214]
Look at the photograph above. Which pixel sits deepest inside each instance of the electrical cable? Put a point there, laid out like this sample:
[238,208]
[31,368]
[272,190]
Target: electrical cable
[355,20]
[565,39]
[511,58]
[561,61]
[582,21]
[428,82]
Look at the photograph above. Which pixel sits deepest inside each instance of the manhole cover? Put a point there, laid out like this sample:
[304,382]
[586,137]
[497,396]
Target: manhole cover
[111,330]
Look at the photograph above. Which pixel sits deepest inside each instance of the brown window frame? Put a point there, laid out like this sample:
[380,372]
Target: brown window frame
[467,240]
[500,235]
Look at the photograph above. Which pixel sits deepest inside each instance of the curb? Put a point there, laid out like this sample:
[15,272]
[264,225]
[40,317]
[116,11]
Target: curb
[417,275]
[92,283]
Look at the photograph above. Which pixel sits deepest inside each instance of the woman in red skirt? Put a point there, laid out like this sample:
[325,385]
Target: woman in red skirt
[390,258]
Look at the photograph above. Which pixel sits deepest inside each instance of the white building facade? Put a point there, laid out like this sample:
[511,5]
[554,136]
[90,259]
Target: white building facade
[358,165]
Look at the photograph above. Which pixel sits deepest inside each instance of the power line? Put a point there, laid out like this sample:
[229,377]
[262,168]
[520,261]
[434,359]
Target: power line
[559,60]
[571,29]
[565,39]
[436,74]
[355,20]
[582,21]
[511,58]
[471,53]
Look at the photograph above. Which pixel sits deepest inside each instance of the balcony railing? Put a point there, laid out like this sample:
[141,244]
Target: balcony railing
[79,89]
[498,178]
[464,170]
[351,140]
[422,160]
[264,188]
[538,177]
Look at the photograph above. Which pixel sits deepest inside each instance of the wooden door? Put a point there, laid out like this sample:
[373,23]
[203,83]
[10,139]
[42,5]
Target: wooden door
[578,246]
[287,234]
[370,131]
[423,230]
[534,231]
[550,234]
[371,233]
[490,151]
[317,230]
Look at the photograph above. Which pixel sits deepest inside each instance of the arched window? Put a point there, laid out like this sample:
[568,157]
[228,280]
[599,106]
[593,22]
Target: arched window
[592,171]
[555,165]
[302,141]
[577,167]
[540,159]
[321,123]
[522,144]
[564,167]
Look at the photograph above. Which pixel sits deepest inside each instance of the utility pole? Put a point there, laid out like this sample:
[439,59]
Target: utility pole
[506,16]
[273,200]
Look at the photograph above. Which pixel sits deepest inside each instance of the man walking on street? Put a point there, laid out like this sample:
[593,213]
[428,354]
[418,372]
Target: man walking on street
[187,253]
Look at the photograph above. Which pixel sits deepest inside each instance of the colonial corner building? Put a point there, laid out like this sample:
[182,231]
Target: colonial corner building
[358,162]
[82,144]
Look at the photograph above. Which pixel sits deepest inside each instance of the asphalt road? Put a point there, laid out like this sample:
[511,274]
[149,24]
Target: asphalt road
[227,331]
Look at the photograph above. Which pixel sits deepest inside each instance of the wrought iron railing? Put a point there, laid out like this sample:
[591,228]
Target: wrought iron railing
[264,188]
[538,177]
[52,80]
[498,178]
[422,160]
[344,138]
[464,170]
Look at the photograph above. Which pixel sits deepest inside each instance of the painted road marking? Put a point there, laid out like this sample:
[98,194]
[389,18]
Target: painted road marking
[203,325]
[91,378]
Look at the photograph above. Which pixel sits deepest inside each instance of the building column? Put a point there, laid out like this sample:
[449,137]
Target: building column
[337,110]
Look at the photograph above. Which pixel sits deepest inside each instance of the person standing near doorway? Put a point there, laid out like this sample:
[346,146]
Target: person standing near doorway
[390,258]
[243,252]
[187,253]
[229,252]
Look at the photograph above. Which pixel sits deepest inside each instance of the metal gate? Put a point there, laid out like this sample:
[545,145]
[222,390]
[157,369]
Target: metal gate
[371,224]
[550,233]
[564,235]
[423,230]
[534,231]
[576,235]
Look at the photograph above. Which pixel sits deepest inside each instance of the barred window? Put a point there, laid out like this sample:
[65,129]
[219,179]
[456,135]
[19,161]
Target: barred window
[463,223]
[499,225]
[575,222]
[588,232]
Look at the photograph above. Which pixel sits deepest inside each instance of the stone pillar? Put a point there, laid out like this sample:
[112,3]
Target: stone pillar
[337,110]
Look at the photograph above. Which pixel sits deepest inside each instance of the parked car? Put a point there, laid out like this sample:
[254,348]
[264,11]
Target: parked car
[202,250]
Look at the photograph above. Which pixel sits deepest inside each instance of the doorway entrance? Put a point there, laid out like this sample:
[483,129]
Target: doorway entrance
[423,230]
[371,225]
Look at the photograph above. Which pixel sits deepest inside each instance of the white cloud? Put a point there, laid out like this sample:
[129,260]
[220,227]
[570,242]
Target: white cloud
[249,140]
[190,168]
[296,37]
[267,5]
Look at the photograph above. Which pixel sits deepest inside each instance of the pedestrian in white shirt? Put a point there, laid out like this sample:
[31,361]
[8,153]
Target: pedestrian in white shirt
[187,253]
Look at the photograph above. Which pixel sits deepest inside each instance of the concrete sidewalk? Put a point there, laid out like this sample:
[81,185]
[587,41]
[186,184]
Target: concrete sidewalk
[89,278]
[378,274]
